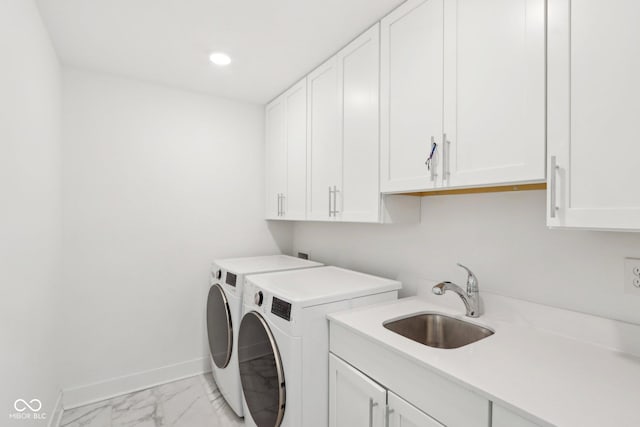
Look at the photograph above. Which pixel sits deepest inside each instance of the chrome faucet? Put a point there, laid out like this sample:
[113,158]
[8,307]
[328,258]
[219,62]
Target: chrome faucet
[470,298]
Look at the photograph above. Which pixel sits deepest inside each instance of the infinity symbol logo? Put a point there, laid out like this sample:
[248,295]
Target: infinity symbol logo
[21,405]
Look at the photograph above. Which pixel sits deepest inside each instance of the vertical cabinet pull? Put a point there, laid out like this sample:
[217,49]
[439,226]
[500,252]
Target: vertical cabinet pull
[431,159]
[282,204]
[333,202]
[553,208]
[388,415]
[446,156]
[372,405]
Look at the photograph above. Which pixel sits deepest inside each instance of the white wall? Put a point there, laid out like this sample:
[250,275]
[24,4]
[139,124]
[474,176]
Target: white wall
[157,183]
[30,210]
[502,237]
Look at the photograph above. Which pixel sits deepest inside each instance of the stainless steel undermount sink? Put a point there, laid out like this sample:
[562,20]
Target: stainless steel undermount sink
[438,330]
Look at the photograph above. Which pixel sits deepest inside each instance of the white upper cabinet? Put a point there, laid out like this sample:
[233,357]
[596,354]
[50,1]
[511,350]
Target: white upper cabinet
[411,95]
[494,92]
[286,154]
[358,190]
[593,104]
[323,143]
[344,141]
[323,139]
[295,201]
[462,81]
[276,157]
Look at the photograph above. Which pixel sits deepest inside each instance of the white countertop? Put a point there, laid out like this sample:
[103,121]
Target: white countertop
[548,377]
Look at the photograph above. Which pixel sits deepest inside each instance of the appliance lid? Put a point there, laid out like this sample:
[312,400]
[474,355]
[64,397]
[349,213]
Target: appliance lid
[322,285]
[261,264]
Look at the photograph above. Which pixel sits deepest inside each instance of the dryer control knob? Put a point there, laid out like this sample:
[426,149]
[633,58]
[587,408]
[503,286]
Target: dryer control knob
[257,298]
[219,274]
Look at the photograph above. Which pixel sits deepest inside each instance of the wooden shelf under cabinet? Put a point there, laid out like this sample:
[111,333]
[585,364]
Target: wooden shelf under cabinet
[474,190]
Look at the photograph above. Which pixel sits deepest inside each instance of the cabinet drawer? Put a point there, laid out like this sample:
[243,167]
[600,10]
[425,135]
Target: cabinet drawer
[447,402]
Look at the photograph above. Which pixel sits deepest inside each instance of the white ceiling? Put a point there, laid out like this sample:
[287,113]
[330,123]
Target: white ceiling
[272,42]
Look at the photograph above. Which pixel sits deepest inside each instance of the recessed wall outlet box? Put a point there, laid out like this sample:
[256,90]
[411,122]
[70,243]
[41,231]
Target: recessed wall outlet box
[632,275]
[303,255]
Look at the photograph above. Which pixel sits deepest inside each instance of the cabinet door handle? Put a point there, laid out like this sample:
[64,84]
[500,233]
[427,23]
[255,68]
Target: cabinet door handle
[330,191]
[282,197]
[430,161]
[278,204]
[446,148]
[372,405]
[552,184]
[388,415]
[335,201]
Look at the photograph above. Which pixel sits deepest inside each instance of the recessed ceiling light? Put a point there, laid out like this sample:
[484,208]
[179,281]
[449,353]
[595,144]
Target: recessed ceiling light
[220,58]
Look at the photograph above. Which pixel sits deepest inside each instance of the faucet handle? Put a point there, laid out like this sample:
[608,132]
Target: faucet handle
[472,280]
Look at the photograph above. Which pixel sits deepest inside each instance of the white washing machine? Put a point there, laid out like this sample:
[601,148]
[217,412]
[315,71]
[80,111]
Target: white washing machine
[284,340]
[224,311]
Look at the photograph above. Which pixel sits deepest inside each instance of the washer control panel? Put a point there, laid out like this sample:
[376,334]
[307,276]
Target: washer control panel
[231,279]
[281,308]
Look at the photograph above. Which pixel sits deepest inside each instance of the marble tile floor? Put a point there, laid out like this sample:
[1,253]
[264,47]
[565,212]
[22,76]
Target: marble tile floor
[191,402]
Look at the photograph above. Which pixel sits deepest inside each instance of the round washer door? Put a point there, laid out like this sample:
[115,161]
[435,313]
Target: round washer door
[219,327]
[261,371]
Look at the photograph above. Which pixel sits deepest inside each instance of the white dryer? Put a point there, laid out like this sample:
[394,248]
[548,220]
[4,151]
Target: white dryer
[283,340]
[224,311]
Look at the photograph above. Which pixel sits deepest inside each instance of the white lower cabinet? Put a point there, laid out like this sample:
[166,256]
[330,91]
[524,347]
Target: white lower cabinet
[415,395]
[403,414]
[502,417]
[356,400]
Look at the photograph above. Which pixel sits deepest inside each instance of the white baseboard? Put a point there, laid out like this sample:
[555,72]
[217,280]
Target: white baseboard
[96,392]
[56,414]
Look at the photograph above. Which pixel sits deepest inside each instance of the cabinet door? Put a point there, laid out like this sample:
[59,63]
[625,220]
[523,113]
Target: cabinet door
[494,111]
[358,72]
[411,67]
[354,399]
[594,99]
[295,198]
[275,155]
[323,139]
[404,414]
[502,417]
